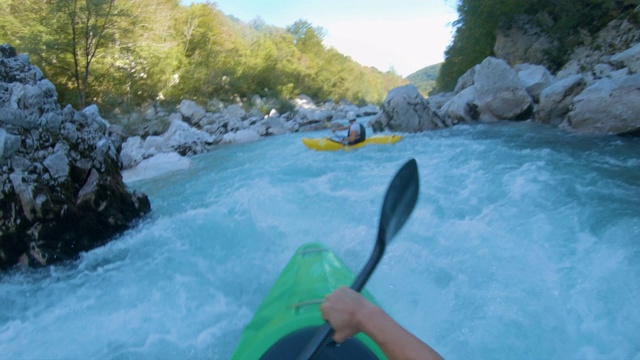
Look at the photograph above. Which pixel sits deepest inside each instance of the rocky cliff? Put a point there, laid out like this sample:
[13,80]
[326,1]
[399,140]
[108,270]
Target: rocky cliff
[597,92]
[61,191]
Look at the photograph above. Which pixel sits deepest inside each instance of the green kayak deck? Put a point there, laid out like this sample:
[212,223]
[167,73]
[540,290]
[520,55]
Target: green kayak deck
[293,303]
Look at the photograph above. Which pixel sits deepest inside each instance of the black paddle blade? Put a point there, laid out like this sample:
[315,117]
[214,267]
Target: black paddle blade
[399,202]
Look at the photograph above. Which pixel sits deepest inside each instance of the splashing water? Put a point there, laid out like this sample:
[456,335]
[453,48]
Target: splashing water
[525,243]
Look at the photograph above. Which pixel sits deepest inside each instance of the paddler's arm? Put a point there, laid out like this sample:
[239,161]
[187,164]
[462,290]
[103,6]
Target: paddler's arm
[348,312]
[352,137]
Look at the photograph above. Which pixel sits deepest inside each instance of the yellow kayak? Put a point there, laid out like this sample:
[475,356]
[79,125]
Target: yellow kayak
[327,144]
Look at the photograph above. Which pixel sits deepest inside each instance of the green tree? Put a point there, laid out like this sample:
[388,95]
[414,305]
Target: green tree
[307,37]
[478,21]
[140,65]
[138,51]
[78,31]
[9,25]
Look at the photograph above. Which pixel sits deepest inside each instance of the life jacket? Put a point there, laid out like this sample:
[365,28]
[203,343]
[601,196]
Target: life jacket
[361,136]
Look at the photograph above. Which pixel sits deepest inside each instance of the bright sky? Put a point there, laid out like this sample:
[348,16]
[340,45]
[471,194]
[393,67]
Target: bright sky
[406,34]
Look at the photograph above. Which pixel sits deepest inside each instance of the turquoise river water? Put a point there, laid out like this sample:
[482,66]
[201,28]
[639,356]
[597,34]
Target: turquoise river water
[524,244]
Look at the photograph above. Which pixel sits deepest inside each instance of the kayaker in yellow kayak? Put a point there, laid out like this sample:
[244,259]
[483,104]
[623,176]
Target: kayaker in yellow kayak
[356,133]
[349,313]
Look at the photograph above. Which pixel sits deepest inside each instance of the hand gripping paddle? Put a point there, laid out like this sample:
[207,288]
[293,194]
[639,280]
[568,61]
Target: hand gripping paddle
[398,204]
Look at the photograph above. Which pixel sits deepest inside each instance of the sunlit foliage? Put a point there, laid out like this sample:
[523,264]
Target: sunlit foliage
[123,54]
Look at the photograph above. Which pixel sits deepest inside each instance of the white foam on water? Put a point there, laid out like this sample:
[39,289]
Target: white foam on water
[523,244]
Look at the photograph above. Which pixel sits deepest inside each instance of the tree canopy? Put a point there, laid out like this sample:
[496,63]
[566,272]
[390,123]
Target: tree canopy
[122,54]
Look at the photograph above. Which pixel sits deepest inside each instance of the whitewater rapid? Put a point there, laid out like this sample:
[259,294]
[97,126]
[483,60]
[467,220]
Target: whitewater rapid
[524,244]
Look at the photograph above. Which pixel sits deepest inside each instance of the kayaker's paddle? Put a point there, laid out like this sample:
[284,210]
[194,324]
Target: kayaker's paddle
[398,204]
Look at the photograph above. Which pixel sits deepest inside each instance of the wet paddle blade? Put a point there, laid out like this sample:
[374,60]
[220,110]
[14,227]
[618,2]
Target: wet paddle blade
[399,202]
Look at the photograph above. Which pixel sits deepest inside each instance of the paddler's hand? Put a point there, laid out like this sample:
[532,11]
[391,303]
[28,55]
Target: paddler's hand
[349,313]
[344,310]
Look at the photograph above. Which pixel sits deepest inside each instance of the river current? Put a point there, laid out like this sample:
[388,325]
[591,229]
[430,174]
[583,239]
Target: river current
[524,244]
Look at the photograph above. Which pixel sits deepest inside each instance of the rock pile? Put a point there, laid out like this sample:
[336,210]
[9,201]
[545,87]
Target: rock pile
[194,129]
[61,191]
[597,92]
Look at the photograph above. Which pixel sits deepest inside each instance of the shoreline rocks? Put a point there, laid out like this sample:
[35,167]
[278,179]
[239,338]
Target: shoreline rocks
[61,184]
[61,191]
[193,129]
[596,93]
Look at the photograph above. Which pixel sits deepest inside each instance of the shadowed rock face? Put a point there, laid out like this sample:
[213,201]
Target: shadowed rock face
[61,191]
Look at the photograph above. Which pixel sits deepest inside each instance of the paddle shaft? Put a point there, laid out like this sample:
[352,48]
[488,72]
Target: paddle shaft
[324,334]
[398,204]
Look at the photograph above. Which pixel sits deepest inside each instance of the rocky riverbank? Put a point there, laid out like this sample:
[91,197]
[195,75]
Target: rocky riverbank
[193,129]
[61,185]
[61,191]
[597,92]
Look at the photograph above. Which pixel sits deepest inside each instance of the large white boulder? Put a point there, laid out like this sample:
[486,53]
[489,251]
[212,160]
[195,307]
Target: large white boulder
[185,139]
[609,106]
[404,109]
[499,93]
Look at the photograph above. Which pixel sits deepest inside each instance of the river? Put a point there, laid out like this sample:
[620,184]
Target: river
[524,244]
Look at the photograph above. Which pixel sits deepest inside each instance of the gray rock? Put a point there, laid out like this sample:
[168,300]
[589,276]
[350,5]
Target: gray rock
[368,110]
[405,110]
[275,126]
[241,136]
[58,165]
[52,121]
[466,80]
[461,107]
[7,51]
[234,111]
[629,58]
[8,145]
[191,112]
[256,101]
[499,93]
[556,100]
[46,155]
[609,106]
[535,78]
[94,119]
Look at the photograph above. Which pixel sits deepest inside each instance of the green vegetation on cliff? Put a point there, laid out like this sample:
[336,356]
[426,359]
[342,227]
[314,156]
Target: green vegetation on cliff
[478,21]
[121,54]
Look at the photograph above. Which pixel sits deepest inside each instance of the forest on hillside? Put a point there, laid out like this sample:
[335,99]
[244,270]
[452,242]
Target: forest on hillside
[566,20]
[124,54]
[425,78]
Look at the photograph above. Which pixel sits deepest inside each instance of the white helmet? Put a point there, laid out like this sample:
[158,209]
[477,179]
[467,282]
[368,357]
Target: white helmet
[351,115]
